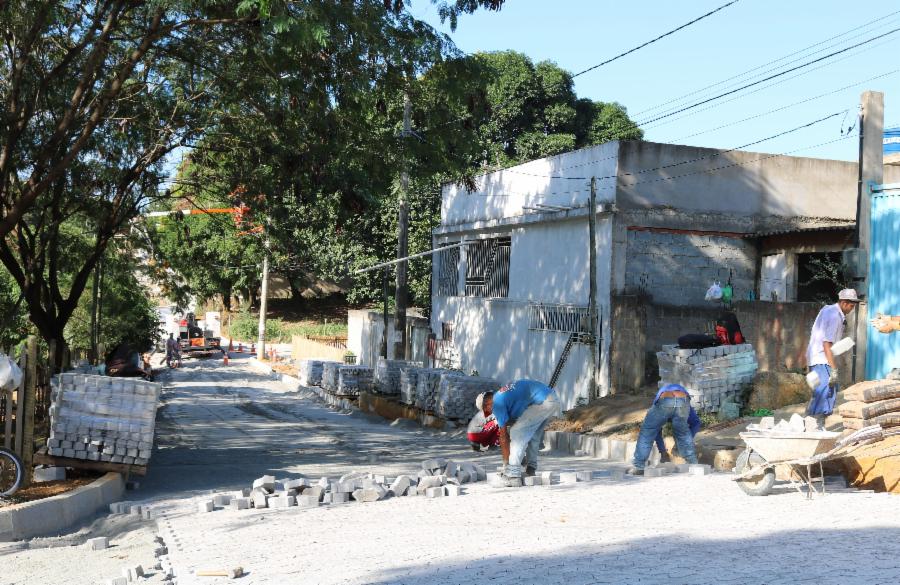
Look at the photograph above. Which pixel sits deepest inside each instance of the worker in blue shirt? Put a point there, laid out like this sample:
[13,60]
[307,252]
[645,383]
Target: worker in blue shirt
[693,423]
[522,408]
[672,403]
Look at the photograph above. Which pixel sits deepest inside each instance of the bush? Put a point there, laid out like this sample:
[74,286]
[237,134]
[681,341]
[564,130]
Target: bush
[245,326]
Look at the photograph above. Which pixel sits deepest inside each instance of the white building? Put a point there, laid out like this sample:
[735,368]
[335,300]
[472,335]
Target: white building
[670,219]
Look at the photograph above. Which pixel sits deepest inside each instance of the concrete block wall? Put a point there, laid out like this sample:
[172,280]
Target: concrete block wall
[677,268]
[627,353]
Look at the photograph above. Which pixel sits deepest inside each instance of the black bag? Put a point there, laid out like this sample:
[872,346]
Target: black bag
[697,341]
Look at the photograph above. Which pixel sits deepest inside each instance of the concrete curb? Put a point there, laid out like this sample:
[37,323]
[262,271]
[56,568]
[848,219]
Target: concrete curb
[52,516]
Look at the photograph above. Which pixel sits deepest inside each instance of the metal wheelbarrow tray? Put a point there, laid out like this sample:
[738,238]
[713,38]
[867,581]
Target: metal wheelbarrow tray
[798,452]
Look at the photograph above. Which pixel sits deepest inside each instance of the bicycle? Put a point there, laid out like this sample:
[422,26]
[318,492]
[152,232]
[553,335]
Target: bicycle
[11,473]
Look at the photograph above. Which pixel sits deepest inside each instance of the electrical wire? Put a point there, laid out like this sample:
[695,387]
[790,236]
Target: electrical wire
[758,67]
[770,77]
[782,108]
[660,37]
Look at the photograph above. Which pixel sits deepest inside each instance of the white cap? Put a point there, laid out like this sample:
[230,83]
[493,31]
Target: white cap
[479,401]
[848,294]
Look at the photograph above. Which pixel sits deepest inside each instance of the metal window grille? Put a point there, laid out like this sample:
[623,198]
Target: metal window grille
[446,331]
[448,273]
[563,318]
[487,268]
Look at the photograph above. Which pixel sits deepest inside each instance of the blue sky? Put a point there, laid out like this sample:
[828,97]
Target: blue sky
[577,34]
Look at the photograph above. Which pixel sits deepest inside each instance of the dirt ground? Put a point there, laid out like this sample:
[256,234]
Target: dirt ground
[617,415]
[47,489]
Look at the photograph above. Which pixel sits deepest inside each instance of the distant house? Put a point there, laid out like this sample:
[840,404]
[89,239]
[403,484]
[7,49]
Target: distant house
[670,220]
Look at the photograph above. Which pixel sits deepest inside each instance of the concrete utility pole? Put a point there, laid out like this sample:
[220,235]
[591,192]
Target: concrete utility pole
[871,170]
[401,294]
[592,287]
[263,303]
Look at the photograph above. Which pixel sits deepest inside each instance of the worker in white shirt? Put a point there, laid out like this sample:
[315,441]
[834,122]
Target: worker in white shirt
[827,329]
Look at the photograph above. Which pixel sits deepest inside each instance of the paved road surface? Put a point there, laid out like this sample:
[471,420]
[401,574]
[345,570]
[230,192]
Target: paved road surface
[221,427]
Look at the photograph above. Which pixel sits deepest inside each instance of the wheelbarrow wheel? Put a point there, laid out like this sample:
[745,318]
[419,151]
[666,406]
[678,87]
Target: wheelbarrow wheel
[758,484]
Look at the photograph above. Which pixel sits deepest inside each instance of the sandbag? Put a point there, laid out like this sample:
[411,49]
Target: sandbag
[892,419]
[868,410]
[873,390]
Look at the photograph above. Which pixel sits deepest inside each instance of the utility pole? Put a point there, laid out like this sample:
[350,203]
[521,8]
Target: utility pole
[263,302]
[401,294]
[871,170]
[592,287]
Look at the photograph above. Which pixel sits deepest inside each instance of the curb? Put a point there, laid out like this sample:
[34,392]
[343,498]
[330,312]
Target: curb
[53,515]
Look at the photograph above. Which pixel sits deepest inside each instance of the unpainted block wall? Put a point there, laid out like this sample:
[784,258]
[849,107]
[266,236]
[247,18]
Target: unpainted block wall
[627,353]
[677,268]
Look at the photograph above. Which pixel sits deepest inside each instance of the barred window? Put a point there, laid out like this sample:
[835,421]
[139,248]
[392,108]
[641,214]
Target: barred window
[563,318]
[487,268]
[448,272]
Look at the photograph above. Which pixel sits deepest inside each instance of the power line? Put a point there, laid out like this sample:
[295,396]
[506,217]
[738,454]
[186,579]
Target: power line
[660,37]
[758,67]
[779,109]
[770,77]
[765,87]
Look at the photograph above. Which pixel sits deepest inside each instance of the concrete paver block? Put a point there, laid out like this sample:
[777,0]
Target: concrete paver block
[400,485]
[221,500]
[434,492]
[617,450]
[372,494]
[481,472]
[568,477]
[451,468]
[117,581]
[654,472]
[682,467]
[533,480]
[617,475]
[547,477]
[266,482]
[339,498]
[99,543]
[699,469]
[240,504]
[584,475]
[49,474]
[133,573]
[206,506]
[305,501]
[630,448]
[452,490]
[434,464]
[430,482]
[282,502]
[259,499]
[314,491]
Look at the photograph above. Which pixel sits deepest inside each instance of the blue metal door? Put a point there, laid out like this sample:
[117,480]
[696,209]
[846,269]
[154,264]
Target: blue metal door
[883,352]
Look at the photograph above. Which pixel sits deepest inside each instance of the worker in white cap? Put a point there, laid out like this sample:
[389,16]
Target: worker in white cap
[483,431]
[827,329]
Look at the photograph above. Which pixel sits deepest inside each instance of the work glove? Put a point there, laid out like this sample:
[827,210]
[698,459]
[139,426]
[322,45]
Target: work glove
[832,376]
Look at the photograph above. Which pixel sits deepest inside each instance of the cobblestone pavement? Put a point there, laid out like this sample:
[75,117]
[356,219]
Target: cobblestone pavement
[221,427]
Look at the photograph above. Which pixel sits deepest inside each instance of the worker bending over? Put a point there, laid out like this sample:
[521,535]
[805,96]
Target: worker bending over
[693,424]
[522,408]
[483,430]
[827,329]
[671,404]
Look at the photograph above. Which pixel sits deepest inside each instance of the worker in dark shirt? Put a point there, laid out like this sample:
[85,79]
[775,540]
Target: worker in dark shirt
[672,403]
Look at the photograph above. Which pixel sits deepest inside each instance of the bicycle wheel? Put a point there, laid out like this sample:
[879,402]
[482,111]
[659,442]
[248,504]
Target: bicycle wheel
[11,473]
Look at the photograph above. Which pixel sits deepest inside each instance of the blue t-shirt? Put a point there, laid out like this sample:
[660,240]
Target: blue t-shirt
[512,400]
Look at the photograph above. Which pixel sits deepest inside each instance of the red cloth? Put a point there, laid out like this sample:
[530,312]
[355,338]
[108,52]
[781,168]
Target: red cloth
[489,435]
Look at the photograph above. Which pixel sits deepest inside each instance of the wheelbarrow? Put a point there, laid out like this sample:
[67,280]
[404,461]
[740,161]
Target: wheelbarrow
[799,453]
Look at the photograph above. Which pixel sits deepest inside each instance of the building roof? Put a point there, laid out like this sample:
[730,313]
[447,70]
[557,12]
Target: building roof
[800,230]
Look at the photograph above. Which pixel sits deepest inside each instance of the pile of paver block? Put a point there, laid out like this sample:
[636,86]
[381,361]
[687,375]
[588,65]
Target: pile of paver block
[330,376]
[436,478]
[387,375]
[874,402]
[457,393]
[99,418]
[409,379]
[352,379]
[428,384]
[310,371]
[713,376]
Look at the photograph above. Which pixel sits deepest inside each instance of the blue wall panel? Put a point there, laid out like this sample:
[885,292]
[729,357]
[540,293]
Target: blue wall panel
[883,353]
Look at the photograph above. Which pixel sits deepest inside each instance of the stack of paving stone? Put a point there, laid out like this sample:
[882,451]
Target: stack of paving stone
[875,402]
[330,376]
[409,379]
[352,379]
[427,386]
[99,418]
[436,478]
[457,393]
[387,375]
[311,372]
[713,376]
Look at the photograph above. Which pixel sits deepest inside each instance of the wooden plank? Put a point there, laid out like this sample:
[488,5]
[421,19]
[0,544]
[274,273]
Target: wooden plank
[7,423]
[20,406]
[41,458]
[29,399]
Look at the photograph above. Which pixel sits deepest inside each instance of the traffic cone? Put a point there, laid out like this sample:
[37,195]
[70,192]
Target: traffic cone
[240,348]
[252,348]
[230,346]
[225,359]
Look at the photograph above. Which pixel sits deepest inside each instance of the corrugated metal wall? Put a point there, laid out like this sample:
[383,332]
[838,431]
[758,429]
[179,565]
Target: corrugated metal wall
[883,353]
